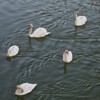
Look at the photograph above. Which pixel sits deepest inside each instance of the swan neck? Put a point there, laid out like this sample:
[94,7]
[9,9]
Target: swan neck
[76,16]
[30,32]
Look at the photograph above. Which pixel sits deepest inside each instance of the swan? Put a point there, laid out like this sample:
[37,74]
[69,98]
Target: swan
[67,56]
[79,20]
[12,51]
[39,32]
[24,88]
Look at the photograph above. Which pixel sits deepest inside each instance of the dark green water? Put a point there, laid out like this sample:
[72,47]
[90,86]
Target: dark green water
[40,60]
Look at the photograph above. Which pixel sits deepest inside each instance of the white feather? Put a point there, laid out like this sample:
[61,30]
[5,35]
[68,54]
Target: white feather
[67,56]
[80,20]
[26,87]
[39,32]
[12,51]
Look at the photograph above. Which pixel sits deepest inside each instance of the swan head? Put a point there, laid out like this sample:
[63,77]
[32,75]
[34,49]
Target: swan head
[66,51]
[31,25]
[7,55]
[19,89]
[77,13]
[76,18]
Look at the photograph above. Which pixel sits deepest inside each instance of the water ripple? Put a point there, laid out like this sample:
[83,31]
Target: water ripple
[40,60]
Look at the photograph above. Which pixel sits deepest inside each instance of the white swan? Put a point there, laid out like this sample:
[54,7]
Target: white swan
[24,88]
[12,51]
[79,20]
[67,56]
[39,32]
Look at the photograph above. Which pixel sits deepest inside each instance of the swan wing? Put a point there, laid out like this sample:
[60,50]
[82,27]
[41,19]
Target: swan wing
[40,32]
[67,57]
[81,20]
[64,57]
[13,50]
[27,87]
[70,56]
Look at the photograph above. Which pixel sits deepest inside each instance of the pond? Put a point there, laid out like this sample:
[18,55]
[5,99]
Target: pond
[40,60]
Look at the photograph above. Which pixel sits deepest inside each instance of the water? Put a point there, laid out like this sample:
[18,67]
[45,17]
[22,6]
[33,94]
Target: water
[40,60]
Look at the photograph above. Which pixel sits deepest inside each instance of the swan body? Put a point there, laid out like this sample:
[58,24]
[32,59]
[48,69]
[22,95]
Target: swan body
[67,56]
[24,88]
[12,51]
[80,20]
[39,32]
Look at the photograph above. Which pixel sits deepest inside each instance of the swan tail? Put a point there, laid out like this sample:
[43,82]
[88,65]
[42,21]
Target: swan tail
[48,33]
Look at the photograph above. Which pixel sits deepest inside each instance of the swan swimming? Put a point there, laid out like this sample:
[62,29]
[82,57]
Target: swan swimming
[12,51]
[67,56]
[24,88]
[39,32]
[79,20]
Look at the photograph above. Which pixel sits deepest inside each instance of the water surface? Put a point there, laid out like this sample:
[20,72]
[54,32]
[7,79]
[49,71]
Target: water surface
[40,60]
